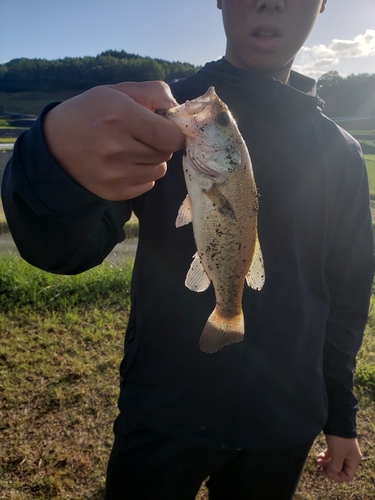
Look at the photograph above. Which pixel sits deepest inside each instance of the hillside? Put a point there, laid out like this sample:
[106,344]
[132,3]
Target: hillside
[81,73]
[351,96]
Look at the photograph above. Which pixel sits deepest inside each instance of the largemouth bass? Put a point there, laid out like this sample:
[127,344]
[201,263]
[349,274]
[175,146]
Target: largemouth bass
[222,204]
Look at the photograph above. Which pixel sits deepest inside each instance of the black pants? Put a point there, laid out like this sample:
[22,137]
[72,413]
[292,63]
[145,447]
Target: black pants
[145,465]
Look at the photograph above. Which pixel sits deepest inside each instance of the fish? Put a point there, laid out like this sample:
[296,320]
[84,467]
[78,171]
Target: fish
[222,205]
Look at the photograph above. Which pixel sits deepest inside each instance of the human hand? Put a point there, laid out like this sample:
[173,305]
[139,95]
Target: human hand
[340,461]
[109,140]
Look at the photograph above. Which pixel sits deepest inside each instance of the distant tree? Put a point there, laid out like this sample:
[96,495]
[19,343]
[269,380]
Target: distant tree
[82,73]
[329,80]
[3,70]
[118,54]
[361,89]
[350,96]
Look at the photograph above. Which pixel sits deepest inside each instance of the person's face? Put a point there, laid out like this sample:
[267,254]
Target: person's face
[265,35]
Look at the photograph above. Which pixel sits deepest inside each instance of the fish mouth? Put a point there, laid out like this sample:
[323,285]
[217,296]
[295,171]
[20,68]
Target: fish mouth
[191,114]
[193,107]
[162,112]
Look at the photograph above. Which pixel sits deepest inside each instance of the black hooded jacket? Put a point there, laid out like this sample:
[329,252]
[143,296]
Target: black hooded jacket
[292,375]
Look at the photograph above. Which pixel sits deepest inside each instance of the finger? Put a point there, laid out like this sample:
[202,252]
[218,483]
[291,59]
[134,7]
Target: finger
[119,191]
[121,117]
[131,120]
[322,463]
[155,131]
[341,477]
[325,455]
[330,467]
[132,173]
[139,101]
[323,458]
[334,467]
[152,95]
[115,151]
[350,468]
[342,474]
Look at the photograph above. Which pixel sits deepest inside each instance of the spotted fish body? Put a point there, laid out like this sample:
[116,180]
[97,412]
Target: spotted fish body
[222,204]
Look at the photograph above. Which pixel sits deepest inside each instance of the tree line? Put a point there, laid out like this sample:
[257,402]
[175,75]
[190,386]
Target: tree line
[344,96]
[350,96]
[82,73]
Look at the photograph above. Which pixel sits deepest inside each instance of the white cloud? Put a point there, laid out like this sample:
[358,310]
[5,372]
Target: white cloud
[317,60]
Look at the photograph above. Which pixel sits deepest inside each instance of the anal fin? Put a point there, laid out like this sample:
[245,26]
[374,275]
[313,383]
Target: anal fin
[196,278]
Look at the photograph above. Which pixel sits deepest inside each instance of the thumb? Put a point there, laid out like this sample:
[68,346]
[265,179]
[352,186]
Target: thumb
[152,95]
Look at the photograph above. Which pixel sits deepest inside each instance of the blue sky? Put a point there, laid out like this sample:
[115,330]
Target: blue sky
[189,31]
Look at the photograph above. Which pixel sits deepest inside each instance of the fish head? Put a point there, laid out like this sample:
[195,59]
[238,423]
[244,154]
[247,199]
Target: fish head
[189,115]
[213,139]
[199,112]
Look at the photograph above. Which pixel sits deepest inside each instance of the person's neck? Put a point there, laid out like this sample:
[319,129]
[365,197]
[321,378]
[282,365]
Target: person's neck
[282,74]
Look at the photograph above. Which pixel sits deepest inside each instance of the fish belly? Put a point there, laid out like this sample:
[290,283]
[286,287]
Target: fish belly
[225,231]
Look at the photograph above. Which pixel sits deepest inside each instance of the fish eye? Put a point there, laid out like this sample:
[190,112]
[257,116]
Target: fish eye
[223,119]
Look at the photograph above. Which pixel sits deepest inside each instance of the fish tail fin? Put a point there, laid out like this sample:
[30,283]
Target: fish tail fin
[221,331]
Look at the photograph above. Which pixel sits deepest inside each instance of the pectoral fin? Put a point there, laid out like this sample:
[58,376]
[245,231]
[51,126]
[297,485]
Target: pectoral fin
[196,278]
[185,213]
[255,277]
[220,202]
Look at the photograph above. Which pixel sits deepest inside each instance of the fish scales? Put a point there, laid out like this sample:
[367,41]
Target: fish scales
[222,204]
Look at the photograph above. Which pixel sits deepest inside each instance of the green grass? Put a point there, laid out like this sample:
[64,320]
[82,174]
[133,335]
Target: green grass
[61,342]
[5,140]
[365,373]
[131,227]
[32,103]
[370,164]
[368,147]
[362,132]
[2,215]
[3,223]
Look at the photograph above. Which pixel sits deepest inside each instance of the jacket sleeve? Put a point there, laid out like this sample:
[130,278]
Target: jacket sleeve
[56,224]
[349,274]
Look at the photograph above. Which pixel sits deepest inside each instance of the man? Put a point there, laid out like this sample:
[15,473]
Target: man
[247,415]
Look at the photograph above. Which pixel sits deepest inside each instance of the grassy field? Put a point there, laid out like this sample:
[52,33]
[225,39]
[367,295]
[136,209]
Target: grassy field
[2,215]
[370,164]
[6,140]
[31,103]
[61,344]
